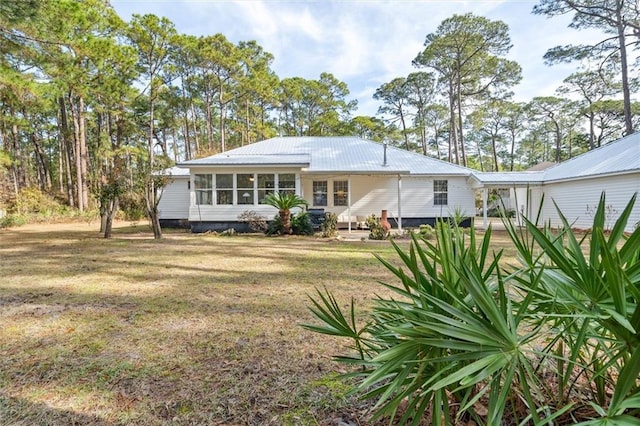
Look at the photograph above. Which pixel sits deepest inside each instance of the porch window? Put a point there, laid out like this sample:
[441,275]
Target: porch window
[244,188]
[266,186]
[287,183]
[319,192]
[203,189]
[224,189]
[440,192]
[340,192]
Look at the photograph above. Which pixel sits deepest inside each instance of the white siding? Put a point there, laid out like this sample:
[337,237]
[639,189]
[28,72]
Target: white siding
[372,194]
[174,203]
[369,194]
[417,197]
[577,199]
[526,201]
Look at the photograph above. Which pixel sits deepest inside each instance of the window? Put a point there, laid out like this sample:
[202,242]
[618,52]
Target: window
[203,189]
[319,192]
[266,186]
[340,192]
[224,189]
[244,188]
[287,183]
[440,191]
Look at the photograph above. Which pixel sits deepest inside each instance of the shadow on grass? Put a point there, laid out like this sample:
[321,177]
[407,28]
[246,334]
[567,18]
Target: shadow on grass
[15,411]
[202,329]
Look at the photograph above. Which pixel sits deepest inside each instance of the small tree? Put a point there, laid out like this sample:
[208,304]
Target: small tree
[284,202]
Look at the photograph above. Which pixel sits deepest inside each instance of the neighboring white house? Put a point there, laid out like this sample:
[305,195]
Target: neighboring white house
[576,184]
[355,178]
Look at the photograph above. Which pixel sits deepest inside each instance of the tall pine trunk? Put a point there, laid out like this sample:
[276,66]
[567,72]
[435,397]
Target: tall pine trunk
[65,151]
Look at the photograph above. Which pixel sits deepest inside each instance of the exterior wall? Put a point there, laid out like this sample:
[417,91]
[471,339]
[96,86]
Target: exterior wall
[577,199]
[526,202]
[368,194]
[372,194]
[174,204]
[229,213]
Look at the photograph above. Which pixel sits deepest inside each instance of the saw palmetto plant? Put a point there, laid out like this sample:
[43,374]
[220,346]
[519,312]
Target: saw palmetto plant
[552,340]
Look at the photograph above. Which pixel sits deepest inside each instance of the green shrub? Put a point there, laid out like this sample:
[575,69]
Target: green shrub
[468,340]
[300,225]
[33,201]
[329,227]
[11,220]
[426,231]
[501,212]
[376,230]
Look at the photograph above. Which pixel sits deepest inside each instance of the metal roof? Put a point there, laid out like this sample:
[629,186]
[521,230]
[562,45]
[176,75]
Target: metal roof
[354,155]
[510,178]
[235,159]
[331,155]
[177,172]
[621,156]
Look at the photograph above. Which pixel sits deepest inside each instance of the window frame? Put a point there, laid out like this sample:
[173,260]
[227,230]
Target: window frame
[227,190]
[265,187]
[202,191]
[341,200]
[320,198]
[291,184]
[440,195]
[248,187]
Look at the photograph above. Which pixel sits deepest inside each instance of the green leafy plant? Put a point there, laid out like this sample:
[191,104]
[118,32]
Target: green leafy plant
[457,216]
[329,227]
[554,340]
[300,224]
[376,230]
[426,231]
[284,202]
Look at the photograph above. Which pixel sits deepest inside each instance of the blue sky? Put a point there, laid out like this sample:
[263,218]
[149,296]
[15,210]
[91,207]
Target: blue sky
[365,43]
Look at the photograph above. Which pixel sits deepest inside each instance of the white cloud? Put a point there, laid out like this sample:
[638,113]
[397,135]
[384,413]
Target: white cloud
[365,43]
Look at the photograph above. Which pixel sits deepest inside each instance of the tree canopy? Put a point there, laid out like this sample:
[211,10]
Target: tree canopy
[94,108]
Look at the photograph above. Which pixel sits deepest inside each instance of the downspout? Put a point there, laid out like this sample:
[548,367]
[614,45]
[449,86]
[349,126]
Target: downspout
[484,208]
[349,201]
[399,203]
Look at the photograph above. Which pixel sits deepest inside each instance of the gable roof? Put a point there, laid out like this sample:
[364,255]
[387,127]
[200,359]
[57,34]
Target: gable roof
[616,157]
[331,155]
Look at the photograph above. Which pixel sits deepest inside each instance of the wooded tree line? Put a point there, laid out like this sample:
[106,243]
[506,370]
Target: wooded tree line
[94,107]
[459,105]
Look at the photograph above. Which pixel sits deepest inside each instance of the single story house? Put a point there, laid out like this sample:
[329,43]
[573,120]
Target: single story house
[348,176]
[355,178]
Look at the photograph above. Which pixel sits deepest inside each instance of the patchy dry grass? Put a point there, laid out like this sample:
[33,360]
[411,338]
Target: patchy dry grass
[186,330]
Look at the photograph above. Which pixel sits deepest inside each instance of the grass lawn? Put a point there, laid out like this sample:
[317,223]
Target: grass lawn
[191,329]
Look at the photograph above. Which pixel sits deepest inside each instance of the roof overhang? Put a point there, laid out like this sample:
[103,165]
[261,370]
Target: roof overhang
[236,160]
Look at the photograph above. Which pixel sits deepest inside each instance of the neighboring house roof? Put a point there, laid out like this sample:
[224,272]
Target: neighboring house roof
[331,155]
[509,178]
[621,156]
